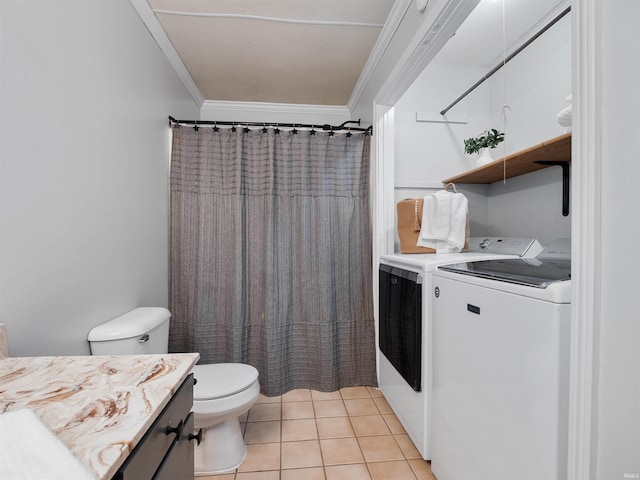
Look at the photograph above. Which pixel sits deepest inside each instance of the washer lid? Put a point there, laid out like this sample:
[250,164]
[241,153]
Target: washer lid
[530,272]
[219,380]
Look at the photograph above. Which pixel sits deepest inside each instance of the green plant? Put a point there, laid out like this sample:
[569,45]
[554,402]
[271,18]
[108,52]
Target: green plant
[488,139]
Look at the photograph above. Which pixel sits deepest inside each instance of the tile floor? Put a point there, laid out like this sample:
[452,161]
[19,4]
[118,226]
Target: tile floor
[351,434]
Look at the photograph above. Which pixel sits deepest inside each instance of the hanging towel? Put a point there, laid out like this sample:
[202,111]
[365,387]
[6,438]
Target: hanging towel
[436,216]
[444,222]
[29,450]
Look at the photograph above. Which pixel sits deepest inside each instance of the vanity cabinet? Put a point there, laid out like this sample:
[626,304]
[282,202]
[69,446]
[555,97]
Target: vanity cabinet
[166,450]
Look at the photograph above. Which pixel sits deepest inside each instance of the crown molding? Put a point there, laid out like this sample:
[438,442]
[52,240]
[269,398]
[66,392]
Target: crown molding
[301,112]
[157,32]
[444,19]
[392,24]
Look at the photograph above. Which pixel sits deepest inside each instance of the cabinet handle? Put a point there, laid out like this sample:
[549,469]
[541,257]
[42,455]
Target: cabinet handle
[197,436]
[177,429]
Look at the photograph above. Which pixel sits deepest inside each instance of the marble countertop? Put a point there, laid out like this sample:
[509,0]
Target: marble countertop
[98,406]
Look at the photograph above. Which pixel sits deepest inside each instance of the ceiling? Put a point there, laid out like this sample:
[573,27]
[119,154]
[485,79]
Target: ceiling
[313,52]
[481,40]
[279,51]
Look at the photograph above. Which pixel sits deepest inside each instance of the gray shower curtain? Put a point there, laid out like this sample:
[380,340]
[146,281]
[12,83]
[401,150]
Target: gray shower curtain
[271,254]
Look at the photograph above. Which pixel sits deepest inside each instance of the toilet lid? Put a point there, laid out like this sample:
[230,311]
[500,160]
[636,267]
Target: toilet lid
[219,380]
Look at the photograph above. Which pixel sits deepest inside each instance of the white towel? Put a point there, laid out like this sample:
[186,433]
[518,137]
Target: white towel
[436,210]
[444,222]
[29,450]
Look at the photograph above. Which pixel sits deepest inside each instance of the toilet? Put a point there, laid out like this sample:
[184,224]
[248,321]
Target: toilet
[222,393]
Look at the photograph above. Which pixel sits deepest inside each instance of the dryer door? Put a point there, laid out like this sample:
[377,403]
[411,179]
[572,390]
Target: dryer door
[401,322]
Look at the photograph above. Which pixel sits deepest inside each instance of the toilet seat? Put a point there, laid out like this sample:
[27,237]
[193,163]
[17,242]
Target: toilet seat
[219,380]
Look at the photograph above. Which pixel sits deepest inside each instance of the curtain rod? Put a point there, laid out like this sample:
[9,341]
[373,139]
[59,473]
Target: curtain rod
[507,59]
[326,126]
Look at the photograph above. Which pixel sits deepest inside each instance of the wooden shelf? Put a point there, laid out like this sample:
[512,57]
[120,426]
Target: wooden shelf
[557,149]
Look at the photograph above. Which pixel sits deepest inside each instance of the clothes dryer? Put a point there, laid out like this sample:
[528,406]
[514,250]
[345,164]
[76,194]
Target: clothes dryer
[404,321]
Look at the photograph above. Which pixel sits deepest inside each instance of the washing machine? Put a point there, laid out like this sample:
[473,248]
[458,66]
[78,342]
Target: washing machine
[404,327]
[501,366]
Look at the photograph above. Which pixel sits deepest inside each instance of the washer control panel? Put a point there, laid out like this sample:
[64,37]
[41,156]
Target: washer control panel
[522,246]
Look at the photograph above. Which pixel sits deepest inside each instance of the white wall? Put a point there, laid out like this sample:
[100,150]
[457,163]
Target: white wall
[425,152]
[534,84]
[618,440]
[428,152]
[85,94]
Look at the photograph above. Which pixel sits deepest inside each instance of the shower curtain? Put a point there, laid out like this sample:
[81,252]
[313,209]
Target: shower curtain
[271,254]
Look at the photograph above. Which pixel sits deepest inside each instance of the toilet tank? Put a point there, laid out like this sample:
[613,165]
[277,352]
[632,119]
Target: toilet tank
[141,331]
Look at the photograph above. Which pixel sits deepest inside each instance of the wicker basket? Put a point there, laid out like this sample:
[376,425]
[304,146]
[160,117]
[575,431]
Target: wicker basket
[409,213]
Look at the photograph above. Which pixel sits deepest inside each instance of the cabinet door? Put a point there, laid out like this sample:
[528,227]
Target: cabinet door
[160,438]
[178,463]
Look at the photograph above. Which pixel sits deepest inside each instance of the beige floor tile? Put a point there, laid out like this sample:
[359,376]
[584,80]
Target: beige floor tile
[338,451]
[264,399]
[422,469]
[354,392]
[330,408]
[383,405]
[262,432]
[316,395]
[406,445]
[303,429]
[380,448]
[311,435]
[298,395]
[222,476]
[272,475]
[374,392]
[297,410]
[361,406]
[367,425]
[391,471]
[334,427]
[358,471]
[261,457]
[315,473]
[263,412]
[301,454]
[393,423]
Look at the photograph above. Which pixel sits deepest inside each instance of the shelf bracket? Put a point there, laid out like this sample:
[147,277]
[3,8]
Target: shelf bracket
[565,182]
